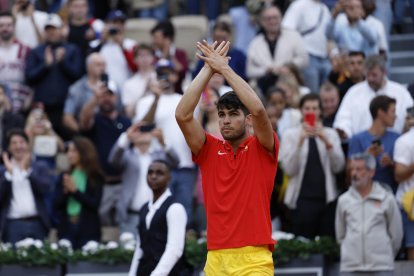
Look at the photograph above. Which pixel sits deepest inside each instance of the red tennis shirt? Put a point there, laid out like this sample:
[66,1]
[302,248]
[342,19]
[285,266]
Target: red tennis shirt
[237,190]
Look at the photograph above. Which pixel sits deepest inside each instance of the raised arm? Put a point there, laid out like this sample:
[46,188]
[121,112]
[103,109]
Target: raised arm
[184,114]
[217,60]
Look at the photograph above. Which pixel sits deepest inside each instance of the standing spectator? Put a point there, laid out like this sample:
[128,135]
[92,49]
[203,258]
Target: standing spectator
[78,195]
[399,12]
[117,50]
[330,102]
[311,18]
[159,108]
[384,13]
[81,29]
[310,155]
[222,32]
[378,140]
[353,114]
[8,119]
[163,42]
[404,175]
[138,85]
[23,183]
[161,228]
[12,64]
[133,152]
[353,34]
[368,223]
[30,23]
[82,91]
[103,128]
[51,68]
[276,46]
[354,73]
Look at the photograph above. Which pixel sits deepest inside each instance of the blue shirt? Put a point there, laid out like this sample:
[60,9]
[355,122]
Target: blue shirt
[362,141]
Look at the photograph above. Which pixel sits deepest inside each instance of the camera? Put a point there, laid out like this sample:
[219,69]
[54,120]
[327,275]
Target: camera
[113,31]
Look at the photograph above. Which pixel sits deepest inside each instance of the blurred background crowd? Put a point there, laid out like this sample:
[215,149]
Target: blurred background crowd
[88,91]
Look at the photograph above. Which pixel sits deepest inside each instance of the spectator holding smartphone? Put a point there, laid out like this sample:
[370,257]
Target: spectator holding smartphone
[133,152]
[310,155]
[79,193]
[378,140]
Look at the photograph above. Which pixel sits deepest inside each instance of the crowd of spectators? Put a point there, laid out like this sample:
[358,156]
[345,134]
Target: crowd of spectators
[84,109]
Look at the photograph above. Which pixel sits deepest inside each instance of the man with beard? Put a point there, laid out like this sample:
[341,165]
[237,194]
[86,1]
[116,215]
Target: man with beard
[12,63]
[237,173]
[104,128]
[368,223]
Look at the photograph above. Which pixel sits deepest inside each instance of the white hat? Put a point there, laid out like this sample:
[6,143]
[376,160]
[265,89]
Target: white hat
[53,20]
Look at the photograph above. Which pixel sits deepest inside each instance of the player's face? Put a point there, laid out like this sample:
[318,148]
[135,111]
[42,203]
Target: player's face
[232,123]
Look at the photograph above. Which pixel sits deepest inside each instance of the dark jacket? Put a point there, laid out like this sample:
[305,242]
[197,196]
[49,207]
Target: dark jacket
[41,182]
[51,83]
[9,121]
[89,222]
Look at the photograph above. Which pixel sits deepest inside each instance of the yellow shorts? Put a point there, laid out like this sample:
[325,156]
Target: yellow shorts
[243,261]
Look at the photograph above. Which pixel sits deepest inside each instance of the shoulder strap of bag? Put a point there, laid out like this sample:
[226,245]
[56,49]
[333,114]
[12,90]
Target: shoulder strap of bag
[312,29]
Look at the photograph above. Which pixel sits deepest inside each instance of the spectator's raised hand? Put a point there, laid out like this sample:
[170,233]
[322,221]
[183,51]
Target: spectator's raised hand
[133,132]
[375,150]
[60,54]
[216,58]
[7,163]
[68,184]
[386,160]
[48,55]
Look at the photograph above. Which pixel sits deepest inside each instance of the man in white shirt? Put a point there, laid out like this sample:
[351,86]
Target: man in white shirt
[30,23]
[404,174]
[273,48]
[136,87]
[311,18]
[353,115]
[23,185]
[13,56]
[161,228]
[159,108]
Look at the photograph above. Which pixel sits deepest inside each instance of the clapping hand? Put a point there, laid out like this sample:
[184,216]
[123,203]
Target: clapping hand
[215,57]
[69,185]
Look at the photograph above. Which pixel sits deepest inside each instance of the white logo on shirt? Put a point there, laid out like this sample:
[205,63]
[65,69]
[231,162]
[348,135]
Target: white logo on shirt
[221,153]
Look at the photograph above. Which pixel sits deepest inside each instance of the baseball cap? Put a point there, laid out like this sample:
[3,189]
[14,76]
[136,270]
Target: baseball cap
[116,15]
[53,20]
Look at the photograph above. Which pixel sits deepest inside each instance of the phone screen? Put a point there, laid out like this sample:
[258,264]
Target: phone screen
[147,128]
[310,119]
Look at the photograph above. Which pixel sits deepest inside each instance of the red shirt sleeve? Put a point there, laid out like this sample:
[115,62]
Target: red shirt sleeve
[205,150]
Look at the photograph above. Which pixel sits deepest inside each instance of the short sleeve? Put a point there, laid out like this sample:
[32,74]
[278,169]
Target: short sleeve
[266,152]
[205,150]
[401,154]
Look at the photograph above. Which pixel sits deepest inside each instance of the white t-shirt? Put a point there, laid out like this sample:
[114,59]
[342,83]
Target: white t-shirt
[303,15]
[143,192]
[404,154]
[353,114]
[135,87]
[25,30]
[165,120]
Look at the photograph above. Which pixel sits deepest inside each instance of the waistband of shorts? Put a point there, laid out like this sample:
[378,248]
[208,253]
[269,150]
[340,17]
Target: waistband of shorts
[241,250]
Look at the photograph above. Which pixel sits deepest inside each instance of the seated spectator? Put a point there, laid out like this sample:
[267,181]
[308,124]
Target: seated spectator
[117,50]
[12,64]
[159,108]
[367,213]
[353,114]
[104,124]
[276,46]
[78,195]
[354,33]
[23,183]
[8,119]
[137,86]
[290,69]
[378,140]
[133,152]
[80,29]
[30,23]
[51,68]
[330,102]
[291,90]
[161,228]
[352,72]
[163,41]
[284,117]
[310,155]
[82,91]
[44,141]
[404,175]
[222,32]
[311,18]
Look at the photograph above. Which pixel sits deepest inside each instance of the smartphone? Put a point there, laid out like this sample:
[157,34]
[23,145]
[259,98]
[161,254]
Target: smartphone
[376,142]
[104,78]
[310,119]
[147,128]
[113,31]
